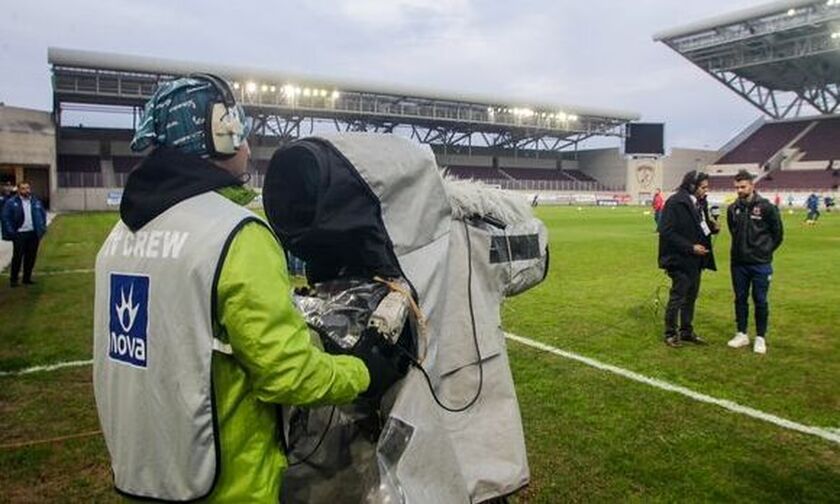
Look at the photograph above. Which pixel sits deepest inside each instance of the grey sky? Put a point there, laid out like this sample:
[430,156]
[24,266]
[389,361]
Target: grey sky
[595,53]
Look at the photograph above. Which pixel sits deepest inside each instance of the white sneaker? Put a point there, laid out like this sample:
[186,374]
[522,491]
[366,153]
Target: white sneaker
[740,340]
[760,346]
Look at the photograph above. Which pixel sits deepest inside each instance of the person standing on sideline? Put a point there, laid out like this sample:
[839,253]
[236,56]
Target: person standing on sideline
[658,205]
[5,193]
[756,229]
[24,224]
[685,250]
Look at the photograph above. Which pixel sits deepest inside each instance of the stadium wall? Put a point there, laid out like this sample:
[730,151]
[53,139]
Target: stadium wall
[88,199]
[681,161]
[27,149]
[607,166]
[567,164]
[644,176]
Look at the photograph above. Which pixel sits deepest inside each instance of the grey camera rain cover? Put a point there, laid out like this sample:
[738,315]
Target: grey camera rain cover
[463,248]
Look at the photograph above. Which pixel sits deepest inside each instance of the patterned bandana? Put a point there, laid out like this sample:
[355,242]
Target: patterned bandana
[175,115]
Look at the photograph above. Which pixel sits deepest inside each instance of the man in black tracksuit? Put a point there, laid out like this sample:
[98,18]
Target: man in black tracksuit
[685,250]
[756,228]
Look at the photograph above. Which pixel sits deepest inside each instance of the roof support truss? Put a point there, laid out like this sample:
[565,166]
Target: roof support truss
[782,59]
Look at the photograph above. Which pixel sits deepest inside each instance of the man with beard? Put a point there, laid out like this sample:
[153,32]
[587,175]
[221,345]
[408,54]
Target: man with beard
[685,250]
[756,228]
[24,222]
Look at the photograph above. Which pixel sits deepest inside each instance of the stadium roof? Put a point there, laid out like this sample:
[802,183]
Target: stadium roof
[782,57]
[281,100]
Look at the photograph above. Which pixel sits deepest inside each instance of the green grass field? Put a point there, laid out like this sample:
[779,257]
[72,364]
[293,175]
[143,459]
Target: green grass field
[592,436]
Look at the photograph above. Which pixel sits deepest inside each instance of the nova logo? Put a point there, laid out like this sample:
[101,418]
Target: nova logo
[129,319]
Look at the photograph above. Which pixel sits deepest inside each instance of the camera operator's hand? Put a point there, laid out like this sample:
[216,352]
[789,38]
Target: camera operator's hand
[386,365]
[700,250]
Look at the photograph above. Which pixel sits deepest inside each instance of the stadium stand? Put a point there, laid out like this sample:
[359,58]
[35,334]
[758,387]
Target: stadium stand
[804,151]
[762,145]
[535,174]
[529,178]
[781,58]
[720,182]
[579,176]
[484,174]
[800,180]
[822,143]
[465,131]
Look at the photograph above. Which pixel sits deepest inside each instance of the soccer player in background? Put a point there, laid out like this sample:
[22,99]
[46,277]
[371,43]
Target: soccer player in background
[813,204]
[756,229]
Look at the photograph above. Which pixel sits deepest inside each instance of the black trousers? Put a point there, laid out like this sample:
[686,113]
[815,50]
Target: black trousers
[25,249]
[685,285]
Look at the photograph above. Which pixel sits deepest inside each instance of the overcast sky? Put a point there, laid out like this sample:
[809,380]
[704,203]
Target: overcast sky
[597,53]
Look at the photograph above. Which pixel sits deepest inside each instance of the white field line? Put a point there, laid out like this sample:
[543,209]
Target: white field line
[65,272]
[48,367]
[828,434]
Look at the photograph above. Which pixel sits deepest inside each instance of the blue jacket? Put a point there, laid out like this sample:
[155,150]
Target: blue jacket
[813,202]
[12,217]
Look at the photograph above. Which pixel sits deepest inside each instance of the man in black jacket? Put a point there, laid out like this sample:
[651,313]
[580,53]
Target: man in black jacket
[756,228]
[685,250]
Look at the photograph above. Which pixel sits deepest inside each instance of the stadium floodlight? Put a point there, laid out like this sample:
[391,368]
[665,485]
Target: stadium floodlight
[297,91]
[307,91]
[335,95]
[288,89]
[322,93]
[562,116]
[573,118]
[251,86]
[791,12]
[273,89]
[235,85]
[264,88]
[832,2]
[835,35]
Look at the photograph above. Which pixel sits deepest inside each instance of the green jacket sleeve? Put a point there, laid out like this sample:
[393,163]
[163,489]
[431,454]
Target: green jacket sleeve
[269,337]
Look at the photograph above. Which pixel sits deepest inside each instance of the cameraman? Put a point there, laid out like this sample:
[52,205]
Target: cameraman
[685,250]
[196,339]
